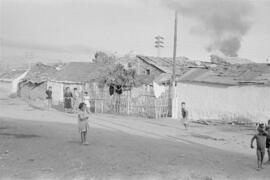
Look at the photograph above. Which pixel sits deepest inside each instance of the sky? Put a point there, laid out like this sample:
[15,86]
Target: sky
[121,27]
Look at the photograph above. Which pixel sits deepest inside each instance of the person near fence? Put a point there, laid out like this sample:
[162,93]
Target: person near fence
[76,99]
[86,101]
[68,100]
[184,113]
[49,97]
[83,122]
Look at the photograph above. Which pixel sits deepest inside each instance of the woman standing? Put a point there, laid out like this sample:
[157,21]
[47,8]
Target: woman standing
[68,100]
[83,123]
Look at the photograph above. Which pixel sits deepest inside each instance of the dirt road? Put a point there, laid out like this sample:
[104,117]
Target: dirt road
[41,144]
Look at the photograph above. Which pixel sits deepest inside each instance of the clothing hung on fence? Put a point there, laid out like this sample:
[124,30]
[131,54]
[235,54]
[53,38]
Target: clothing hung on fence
[158,90]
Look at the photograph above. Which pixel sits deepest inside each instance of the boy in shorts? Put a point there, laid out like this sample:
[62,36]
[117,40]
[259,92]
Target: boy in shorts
[184,113]
[260,138]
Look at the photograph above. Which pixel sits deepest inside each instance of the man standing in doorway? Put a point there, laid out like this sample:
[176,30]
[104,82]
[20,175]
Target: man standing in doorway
[49,97]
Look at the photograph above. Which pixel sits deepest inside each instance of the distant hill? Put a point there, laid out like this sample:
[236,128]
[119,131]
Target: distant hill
[14,54]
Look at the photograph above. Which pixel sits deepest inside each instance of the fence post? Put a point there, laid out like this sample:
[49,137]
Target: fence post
[155,108]
[102,106]
[128,105]
[95,105]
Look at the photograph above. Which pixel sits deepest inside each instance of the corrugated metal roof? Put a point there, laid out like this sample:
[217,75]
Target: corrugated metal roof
[230,75]
[165,64]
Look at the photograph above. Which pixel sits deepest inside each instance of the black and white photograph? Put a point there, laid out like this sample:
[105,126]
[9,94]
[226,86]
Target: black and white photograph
[134,89]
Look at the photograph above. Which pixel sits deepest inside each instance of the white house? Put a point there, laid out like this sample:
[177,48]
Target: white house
[80,75]
[226,92]
[9,81]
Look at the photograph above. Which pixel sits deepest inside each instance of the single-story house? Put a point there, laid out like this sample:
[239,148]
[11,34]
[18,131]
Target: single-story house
[225,92]
[86,77]
[34,84]
[9,80]
[81,75]
[155,66]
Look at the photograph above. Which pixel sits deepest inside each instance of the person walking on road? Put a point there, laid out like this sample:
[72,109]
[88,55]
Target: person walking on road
[184,113]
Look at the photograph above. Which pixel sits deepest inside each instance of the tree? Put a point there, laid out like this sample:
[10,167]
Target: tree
[119,76]
[103,58]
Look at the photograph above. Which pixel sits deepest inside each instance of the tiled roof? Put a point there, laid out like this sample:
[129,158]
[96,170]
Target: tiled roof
[80,72]
[40,73]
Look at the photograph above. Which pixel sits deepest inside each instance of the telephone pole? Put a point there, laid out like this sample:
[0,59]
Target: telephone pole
[159,44]
[174,48]
[173,100]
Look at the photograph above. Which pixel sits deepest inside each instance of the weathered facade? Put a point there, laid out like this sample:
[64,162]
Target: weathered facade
[235,92]
[34,84]
[145,68]
[9,81]
[156,66]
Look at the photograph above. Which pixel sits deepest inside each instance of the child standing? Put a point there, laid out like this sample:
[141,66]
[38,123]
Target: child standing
[83,123]
[260,138]
[184,115]
[86,101]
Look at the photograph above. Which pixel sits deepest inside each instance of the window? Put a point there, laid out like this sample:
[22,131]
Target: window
[147,71]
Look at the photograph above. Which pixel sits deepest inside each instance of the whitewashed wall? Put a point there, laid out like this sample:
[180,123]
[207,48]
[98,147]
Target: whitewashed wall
[16,81]
[216,102]
[58,91]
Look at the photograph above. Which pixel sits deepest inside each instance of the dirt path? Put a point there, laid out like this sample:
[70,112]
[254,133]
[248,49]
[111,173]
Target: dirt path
[40,144]
[231,138]
[36,150]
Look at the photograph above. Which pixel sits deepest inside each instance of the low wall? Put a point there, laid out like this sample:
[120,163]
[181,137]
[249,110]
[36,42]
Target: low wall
[223,102]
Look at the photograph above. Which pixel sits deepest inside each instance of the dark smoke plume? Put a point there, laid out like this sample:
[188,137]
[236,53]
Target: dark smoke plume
[225,22]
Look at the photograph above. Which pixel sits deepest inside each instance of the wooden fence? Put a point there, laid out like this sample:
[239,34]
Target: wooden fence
[97,105]
[144,105]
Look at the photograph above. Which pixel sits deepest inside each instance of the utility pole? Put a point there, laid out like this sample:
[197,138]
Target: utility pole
[173,101]
[174,48]
[159,44]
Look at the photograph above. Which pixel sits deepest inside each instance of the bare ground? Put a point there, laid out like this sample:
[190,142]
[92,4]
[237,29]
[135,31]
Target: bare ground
[44,144]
